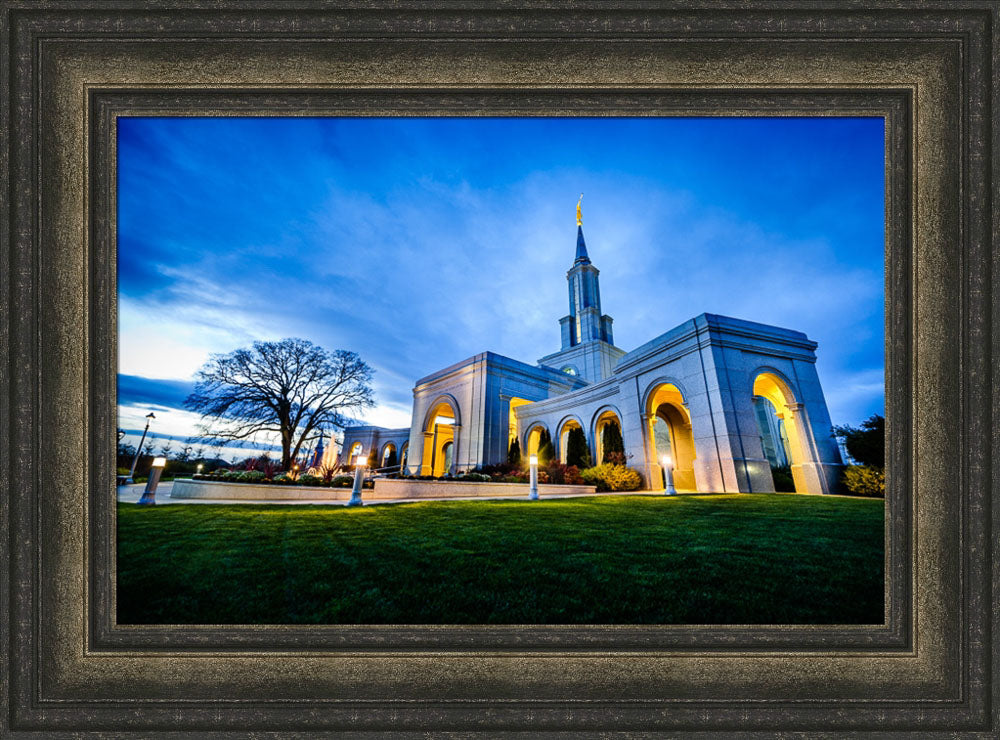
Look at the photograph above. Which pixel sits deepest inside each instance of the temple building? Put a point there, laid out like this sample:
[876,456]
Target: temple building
[721,400]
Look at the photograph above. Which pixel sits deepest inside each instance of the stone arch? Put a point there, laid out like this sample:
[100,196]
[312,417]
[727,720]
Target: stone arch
[568,422]
[383,455]
[355,449]
[791,431]
[437,434]
[403,452]
[606,413]
[669,437]
[532,433]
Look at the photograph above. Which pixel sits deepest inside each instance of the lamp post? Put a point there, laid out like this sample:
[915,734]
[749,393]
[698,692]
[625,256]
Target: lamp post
[131,471]
[668,476]
[533,490]
[200,466]
[149,495]
[359,467]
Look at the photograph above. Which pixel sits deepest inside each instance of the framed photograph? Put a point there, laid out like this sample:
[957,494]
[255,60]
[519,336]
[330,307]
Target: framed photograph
[733,477]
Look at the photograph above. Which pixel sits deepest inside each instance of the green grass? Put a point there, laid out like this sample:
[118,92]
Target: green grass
[736,559]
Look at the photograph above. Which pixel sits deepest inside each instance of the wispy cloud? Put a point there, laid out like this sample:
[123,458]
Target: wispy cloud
[418,243]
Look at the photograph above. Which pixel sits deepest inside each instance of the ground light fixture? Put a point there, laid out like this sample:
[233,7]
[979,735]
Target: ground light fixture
[668,476]
[359,466]
[200,466]
[149,494]
[533,490]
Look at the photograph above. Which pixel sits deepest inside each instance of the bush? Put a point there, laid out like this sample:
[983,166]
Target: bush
[559,473]
[577,451]
[250,476]
[475,477]
[864,480]
[782,476]
[611,477]
[310,480]
[342,481]
[122,471]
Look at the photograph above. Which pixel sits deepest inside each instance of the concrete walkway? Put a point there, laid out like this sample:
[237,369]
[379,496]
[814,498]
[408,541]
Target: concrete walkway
[130,494]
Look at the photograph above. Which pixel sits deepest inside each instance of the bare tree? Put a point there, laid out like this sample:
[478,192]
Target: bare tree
[290,388]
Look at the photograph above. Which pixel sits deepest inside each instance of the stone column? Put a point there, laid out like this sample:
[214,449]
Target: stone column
[650,468]
[427,468]
[456,430]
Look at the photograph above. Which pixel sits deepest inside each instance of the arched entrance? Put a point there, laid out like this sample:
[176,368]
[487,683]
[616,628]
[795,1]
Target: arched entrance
[607,433]
[404,450]
[780,431]
[670,435]
[532,440]
[389,457]
[440,425]
[568,425]
[356,449]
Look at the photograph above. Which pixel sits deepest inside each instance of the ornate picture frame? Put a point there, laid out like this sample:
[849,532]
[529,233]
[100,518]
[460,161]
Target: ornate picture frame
[70,69]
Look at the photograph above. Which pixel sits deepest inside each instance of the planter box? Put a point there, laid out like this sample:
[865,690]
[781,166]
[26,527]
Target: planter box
[386,489]
[401,488]
[210,489]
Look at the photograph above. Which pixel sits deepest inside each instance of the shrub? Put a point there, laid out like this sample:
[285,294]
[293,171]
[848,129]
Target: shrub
[250,476]
[475,477]
[612,443]
[231,475]
[342,481]
[577,452]
[611,477]
[559,473]
[783,481]
[309,480]
[513,454]
[864,480]
[515,478]
[122,471]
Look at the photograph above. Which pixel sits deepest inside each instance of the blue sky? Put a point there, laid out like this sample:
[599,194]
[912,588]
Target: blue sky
[418,242]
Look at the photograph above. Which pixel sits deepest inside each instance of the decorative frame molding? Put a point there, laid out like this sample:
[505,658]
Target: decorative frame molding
[70,68]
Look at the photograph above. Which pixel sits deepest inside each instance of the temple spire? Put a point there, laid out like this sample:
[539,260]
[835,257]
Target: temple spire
[581,245]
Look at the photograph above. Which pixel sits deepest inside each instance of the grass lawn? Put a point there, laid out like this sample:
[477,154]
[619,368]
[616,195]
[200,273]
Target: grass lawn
[734,559]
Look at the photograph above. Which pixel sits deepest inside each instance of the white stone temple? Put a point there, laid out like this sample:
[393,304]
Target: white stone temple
[722,399]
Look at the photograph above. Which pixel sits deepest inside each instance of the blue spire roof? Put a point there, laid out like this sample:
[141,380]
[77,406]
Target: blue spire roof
[581,248]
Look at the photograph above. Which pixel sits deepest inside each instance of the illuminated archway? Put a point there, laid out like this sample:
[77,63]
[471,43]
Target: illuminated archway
[778,424]
[356,449]
[403,452]
[439,430]
[669,435]
[387,449]
[602,419]
[566,426]
[532,439]
[512,430]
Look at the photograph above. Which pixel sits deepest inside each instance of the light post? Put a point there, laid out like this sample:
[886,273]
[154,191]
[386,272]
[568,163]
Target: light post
[131,471]
[668,476]
[149,495]
[359,469]
[533,490]
[200,466]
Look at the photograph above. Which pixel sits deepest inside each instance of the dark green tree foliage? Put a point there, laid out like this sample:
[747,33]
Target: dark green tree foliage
[612,442]
[546,452]
[373,458]
[392,461]
[514,453]
[866,444]
[577,452]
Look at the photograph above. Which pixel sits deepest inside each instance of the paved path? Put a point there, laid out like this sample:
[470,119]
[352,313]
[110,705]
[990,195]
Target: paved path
[131,493]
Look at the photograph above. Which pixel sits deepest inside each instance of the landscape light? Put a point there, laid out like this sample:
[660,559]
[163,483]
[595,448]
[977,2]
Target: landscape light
[360,459]
[159,462]
[200,466]
[665,460]
[533,478]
